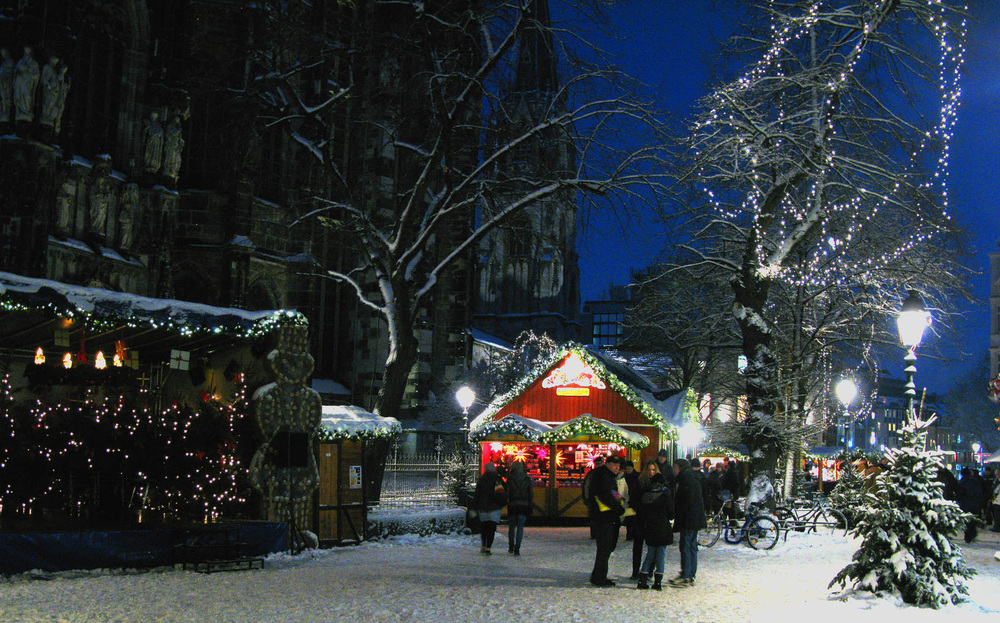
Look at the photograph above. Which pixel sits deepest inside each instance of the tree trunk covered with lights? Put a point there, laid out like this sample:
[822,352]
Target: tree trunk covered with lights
[750,290]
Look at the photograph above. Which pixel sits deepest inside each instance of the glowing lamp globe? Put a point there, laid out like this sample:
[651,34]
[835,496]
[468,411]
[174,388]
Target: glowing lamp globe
[913,319]
[465,397]
[847,391]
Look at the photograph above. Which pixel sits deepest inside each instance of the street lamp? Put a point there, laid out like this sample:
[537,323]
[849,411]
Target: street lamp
[465,397]
[976,447]
[847,391]
[913,319]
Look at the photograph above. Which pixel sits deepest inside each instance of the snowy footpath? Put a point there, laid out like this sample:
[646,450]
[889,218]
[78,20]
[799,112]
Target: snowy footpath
[445,578]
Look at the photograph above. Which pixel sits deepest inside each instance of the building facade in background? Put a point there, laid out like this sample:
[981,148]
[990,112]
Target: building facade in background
[132,159]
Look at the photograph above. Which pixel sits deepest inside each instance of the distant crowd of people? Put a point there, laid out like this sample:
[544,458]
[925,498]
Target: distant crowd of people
[978,495]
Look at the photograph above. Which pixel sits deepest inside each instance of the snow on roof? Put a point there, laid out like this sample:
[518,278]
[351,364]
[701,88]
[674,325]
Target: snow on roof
[489,340]
[350,422]
[27,293]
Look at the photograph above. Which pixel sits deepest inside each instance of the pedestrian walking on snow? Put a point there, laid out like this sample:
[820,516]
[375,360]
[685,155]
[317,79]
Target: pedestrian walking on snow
[519,500]
[489,499]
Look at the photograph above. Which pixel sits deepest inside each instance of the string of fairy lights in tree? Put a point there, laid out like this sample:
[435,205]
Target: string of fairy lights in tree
[842,220]
[179,462]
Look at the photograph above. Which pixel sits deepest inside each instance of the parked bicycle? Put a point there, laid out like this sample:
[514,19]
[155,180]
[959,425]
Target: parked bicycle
[811,516]
[756,530]
[709,535]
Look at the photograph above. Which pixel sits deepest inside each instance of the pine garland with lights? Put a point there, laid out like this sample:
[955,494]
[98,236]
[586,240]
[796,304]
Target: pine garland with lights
[906,533]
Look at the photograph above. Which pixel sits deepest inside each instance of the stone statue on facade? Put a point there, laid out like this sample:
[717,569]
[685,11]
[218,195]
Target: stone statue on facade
[152,140]
[172,147]
[287,414]
[61,99]
[128,209]
[54,87]
[6,88]
[101,196]
[66,207]
[26,76]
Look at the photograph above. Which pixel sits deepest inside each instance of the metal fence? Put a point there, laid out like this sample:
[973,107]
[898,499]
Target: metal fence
[424,480]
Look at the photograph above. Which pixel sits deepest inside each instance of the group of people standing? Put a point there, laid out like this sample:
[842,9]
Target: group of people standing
[668,498]
[665,498]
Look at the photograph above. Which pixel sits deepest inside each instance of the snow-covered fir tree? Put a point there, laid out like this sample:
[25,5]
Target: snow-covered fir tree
[907,532]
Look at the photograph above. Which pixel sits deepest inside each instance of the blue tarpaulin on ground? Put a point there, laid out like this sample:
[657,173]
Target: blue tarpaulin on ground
[61,551]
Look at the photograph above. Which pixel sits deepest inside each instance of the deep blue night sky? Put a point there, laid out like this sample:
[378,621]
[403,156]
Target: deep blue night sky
[665,44]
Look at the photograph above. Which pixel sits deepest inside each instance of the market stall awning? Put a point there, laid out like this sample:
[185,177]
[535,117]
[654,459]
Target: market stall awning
[993,458]
[538,432]
[350,422]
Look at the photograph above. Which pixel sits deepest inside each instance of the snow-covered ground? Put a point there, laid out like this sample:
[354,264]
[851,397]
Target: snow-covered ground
[445,578]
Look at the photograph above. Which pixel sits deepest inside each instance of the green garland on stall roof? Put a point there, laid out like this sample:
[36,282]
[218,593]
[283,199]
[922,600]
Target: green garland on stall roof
[669,432]
[379,432]
[724,451]
[589,426]
[506,426]
[278,319]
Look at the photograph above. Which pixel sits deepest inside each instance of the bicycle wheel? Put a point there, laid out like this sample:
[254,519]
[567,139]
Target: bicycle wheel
[830,521]
[762,533]
[709,535]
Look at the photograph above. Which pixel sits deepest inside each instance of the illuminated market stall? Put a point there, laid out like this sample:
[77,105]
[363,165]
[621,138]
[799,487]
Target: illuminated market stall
[578,406]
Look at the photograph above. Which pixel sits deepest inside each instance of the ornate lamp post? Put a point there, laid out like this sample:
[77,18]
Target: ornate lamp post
[913,319]
[846,390]
[977,448]
[465,397]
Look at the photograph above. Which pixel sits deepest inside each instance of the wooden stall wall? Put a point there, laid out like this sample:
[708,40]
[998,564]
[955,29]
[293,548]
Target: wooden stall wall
[342,506]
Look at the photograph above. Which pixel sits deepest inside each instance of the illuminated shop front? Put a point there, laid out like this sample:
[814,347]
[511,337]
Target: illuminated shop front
[570,411]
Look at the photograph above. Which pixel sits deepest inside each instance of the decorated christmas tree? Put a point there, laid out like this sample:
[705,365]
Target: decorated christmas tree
[907,532]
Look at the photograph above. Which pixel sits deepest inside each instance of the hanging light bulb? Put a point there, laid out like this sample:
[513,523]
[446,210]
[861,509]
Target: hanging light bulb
[117,361]
[99,361]
[39,356]
[68,361]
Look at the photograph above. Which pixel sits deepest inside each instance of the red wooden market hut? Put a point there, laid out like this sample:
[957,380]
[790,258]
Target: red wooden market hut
[580,405]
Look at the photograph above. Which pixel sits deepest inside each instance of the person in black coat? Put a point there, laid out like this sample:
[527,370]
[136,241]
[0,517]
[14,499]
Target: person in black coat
[605,516]
[731,485]
[714,490]
[706,492]
[655,510]
[970,500]
[519,500]
[488,502]
[689,517]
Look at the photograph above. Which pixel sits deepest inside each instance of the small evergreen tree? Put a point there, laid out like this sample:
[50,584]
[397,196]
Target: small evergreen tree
[907,530]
